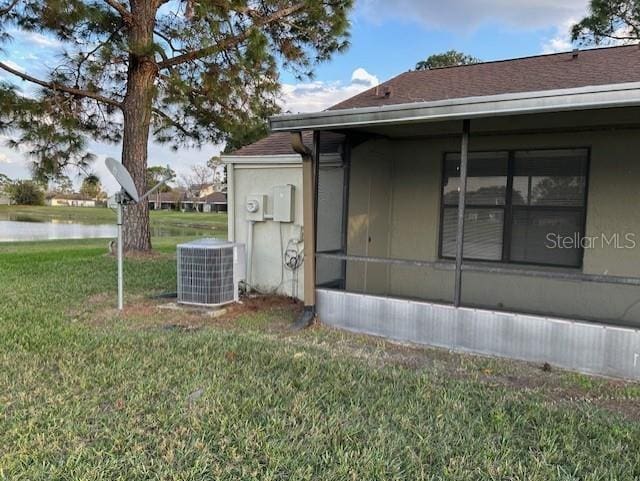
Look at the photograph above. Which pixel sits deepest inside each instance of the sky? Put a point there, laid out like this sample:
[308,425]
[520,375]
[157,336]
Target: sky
[387,38]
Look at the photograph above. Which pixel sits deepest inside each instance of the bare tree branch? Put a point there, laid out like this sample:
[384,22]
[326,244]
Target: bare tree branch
[76,92]
[168,41]
[121,9]
[171,121]
[230,41]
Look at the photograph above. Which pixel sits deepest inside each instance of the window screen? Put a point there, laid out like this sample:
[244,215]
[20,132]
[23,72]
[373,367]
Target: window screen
[518,204]
[485,202]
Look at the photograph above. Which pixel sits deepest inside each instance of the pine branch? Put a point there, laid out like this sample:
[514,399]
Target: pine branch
[121,9]
[230,41]
[8,8]
[172,122]
[76,92]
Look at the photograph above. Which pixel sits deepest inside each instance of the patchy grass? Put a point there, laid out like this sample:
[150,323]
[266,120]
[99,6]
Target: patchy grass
[88,393]
[160,219]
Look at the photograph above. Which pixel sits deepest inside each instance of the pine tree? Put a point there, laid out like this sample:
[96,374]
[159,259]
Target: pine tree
[450,58]
[184,72]
[609,22]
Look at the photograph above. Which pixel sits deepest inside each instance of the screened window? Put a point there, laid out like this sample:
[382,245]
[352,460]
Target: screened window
[521,206]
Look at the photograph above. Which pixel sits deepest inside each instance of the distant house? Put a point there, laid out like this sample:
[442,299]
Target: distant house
[201,190]
[70,200]
[165,200]
[4,199]
[215,202]
[212,202]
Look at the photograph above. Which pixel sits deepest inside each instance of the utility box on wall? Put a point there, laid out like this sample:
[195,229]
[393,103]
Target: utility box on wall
[283,203]
[256,206]
[265,214]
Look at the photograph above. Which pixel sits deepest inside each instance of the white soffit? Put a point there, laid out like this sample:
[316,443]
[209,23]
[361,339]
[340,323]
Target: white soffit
[262,159]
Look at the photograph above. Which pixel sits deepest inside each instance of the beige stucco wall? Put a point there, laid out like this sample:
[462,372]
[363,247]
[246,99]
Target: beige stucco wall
[267,270]
[394,211]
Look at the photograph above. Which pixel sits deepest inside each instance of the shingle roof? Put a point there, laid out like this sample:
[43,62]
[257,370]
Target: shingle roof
[216,197]
[172,196]
[599,66]
[279,143]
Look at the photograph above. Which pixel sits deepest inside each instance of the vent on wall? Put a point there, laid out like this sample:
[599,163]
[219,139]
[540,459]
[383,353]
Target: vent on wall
[209,271]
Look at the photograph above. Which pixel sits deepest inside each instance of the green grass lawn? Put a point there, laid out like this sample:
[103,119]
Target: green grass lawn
[88,394]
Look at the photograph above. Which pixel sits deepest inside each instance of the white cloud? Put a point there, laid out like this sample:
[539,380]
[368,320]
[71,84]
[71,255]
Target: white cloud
[36,38]
[316,95]
[469,14]
[362,77]
[4,159]
[561,41]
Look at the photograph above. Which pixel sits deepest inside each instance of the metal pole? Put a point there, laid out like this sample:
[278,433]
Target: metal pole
[464,157]
[120,200]
[308,207]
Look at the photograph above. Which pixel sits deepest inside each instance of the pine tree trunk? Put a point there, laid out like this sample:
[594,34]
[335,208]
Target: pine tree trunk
[137,111]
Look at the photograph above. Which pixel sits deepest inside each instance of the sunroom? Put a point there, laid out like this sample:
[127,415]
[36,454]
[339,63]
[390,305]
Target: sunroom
[503,224]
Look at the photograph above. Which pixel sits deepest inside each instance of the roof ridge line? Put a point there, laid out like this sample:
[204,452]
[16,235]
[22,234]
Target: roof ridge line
[525,57]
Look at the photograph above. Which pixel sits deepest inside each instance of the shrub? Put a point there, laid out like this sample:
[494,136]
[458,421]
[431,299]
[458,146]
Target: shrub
[26,192]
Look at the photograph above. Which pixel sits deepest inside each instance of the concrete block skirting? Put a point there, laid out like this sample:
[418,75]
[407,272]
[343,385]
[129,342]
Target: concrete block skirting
[581,346]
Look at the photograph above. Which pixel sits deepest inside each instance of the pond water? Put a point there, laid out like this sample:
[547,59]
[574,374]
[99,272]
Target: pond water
[26,228]
[11,231]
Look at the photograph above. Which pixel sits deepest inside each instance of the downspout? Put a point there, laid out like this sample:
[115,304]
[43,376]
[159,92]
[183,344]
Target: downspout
[309,159]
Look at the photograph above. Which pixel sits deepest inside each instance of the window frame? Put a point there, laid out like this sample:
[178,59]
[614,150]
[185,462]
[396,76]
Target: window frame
[509,208]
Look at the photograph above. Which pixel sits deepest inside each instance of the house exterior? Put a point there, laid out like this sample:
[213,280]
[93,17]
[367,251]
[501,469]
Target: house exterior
[214,202]
[201,190]
[257,170]
[70,200]
[165,200]
[487,208]
[175,200]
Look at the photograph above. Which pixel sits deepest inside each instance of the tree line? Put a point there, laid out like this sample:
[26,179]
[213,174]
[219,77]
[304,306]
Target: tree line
[33,191]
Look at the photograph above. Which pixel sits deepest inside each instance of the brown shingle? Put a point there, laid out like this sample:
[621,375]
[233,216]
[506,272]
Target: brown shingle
[544,72]
[219,197]
[279,143]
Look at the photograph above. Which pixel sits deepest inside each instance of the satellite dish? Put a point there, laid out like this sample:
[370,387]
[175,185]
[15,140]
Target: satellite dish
[123,177]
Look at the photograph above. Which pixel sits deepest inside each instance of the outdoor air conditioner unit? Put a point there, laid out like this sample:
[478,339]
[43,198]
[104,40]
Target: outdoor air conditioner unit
[209,271]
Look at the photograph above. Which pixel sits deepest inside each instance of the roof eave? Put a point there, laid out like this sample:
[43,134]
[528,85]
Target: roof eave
[262,158]
[581,98]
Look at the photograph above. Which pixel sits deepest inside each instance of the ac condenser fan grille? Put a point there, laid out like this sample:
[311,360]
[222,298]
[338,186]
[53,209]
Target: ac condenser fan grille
[207,273]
